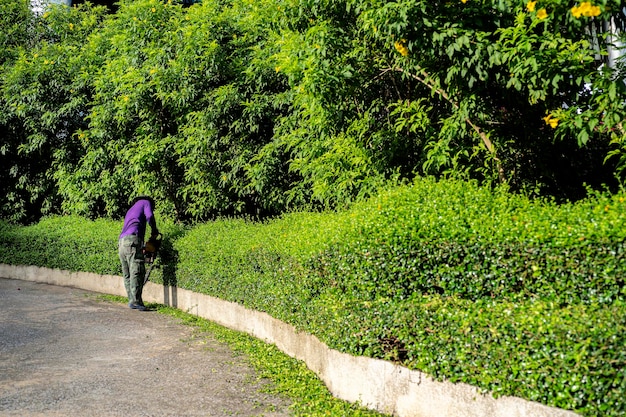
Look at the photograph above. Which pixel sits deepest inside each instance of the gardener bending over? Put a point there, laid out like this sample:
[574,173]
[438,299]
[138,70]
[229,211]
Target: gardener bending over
[130,247]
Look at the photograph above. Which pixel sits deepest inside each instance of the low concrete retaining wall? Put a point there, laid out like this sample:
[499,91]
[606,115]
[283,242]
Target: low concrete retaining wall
[376,384]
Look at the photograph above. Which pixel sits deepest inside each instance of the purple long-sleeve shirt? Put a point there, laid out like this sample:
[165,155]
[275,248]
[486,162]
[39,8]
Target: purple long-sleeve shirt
[136,219]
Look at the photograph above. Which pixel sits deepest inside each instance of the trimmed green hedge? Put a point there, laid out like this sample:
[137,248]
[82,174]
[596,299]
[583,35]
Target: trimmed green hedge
[71,243]
[77,244]
[517,297]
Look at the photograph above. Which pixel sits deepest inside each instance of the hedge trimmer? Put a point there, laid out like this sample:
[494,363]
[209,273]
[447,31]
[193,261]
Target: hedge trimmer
[150,251]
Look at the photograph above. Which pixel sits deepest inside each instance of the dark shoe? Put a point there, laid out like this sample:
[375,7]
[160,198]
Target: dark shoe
[137,306]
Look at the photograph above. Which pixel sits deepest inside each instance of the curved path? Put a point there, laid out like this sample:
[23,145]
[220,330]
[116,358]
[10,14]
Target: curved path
[63,352]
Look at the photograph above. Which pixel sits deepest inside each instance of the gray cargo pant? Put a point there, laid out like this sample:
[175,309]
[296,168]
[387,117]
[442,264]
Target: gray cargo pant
[133,267]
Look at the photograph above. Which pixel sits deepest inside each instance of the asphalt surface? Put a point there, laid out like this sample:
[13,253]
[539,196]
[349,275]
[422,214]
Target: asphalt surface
[66,352]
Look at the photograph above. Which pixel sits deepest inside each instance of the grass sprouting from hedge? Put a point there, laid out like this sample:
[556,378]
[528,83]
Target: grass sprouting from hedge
[517,297]
[290,377]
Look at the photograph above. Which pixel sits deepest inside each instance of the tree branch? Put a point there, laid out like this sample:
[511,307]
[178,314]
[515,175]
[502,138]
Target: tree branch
[425,79]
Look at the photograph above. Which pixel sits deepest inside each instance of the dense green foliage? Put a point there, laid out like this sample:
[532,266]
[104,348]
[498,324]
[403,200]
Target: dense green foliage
[257,107]
[515,296]
[70,243]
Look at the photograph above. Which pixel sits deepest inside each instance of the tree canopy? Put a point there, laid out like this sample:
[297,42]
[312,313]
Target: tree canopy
[260,106]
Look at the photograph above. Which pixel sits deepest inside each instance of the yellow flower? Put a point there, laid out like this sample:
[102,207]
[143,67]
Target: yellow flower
[552,122]
[71,26]
[401,47]
[463,1]
[153,10]
[530,6]
[585,9]
[591,11]
[542,14]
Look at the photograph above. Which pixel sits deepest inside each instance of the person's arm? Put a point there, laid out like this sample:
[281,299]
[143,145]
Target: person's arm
[150,219]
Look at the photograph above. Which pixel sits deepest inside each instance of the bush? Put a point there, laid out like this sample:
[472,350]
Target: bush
[73,243]
[516,297]
[70,243]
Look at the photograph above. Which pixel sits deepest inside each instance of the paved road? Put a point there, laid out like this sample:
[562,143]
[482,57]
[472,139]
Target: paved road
[64,352]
